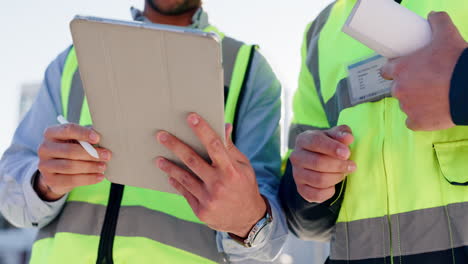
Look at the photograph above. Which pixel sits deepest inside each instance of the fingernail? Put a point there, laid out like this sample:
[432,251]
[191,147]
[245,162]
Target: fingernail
[431,13]
[342,152]
[351,168]
[194,120]
[102,167]
[163,136]
[105,155]
[162,163]
[100,177]
[93,136]
[342,134]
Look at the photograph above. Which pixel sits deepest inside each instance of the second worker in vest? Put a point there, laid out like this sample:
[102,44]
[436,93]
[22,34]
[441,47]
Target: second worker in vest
[405,199]
[47,181]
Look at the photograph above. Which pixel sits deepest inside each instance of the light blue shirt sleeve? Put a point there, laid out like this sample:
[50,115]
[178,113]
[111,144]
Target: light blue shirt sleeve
[258,137]
[19,203]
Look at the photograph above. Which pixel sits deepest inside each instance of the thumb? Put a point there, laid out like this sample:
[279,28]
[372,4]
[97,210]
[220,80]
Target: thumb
[342,133]
[388,71]
[228,134]
[231,148]
[441,24]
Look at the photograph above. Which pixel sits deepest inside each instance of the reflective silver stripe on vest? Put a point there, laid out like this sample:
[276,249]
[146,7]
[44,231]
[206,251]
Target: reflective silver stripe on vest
[77,93]
[416,232]
[312,59]
[363,239]
[136,221]
[339,102]
[230,49]
[297,129]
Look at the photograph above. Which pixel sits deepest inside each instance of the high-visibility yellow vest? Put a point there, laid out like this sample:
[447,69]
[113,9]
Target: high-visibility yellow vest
[110,223]
[408,200]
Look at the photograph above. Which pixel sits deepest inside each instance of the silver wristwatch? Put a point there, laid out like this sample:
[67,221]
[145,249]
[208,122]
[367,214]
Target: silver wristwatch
[259,231]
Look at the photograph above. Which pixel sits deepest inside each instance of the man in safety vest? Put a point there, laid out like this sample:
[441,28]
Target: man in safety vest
[49,181]
[405,199]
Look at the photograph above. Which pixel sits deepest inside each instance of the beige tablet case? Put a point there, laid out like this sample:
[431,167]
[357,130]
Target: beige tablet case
[140,79]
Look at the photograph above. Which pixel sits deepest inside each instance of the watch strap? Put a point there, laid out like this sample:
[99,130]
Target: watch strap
[248,241]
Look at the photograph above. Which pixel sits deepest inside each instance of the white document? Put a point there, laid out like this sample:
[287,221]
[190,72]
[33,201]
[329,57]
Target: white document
[365,82]
[387,27]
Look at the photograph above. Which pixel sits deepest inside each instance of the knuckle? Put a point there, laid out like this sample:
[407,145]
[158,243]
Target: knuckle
[66,165]
[67,150]
[49,179]
[215,144]
[324,195]
[306,193]
[42,150]
[186,179]
[191,161]
[300,140]
[315,161]
[67,129]
[75,181]
[297,175]
[232,172]
[90,167]
[210,205]
[319,141]
[315,137]
[48,132]
[218,191]
[318,180]
[43,166]
[295,157]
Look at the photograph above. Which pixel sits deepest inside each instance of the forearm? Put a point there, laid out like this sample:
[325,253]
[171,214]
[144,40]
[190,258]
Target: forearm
[19,203]
[308,221]
[459,91]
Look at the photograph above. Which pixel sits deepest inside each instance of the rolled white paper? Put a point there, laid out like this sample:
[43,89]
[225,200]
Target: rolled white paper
[387,27]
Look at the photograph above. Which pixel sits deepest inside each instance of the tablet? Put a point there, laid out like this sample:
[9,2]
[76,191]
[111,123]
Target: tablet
[141,78]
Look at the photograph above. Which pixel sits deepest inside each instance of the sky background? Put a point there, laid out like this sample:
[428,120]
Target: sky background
[33,33]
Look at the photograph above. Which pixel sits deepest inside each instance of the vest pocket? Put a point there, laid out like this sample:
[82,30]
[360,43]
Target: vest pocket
[452,157]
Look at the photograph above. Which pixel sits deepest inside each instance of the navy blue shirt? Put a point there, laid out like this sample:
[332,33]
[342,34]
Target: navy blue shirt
[459,91]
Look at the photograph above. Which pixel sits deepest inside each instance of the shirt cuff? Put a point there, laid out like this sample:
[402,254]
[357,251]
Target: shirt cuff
[41,212]
[459,91]
[267,250]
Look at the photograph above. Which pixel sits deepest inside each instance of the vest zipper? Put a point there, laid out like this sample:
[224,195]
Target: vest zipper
[106,242]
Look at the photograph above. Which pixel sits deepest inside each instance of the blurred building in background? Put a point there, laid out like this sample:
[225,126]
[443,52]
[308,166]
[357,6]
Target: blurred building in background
[15,244]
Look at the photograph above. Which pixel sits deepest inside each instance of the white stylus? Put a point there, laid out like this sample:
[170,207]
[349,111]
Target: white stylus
[90,149]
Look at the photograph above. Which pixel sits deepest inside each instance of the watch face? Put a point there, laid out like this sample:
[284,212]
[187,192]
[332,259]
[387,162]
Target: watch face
[262,232]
